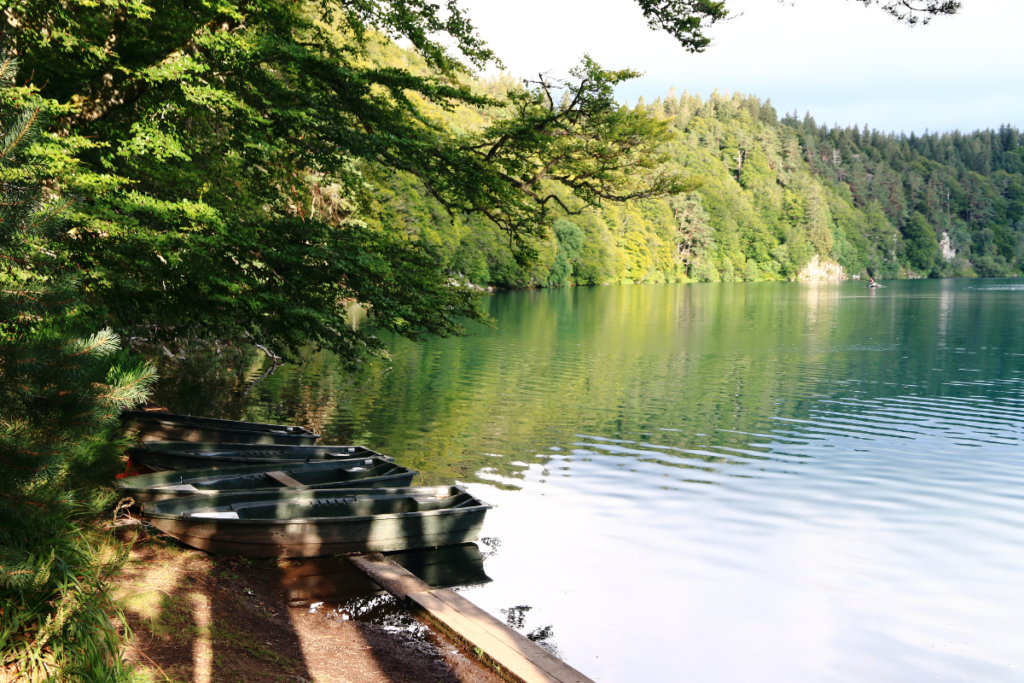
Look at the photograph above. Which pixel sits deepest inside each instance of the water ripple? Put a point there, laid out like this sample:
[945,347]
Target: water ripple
[774,481]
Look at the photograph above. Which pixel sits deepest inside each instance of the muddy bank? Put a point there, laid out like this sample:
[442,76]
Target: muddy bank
[206,619]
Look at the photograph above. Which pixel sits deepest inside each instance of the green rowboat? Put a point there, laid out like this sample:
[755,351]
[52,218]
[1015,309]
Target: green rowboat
[157,426]
[313,523]
[172,455]
[375,472]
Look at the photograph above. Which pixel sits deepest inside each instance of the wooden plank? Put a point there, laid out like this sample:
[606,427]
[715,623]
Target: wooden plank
[513,639]
[392,577]
[514,656]
[231,514]
[470,632]
[283,478]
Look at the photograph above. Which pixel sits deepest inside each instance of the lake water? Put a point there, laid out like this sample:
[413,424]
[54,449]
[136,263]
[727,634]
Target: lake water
[724,482]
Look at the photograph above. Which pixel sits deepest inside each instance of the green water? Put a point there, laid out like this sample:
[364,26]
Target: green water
[721,482]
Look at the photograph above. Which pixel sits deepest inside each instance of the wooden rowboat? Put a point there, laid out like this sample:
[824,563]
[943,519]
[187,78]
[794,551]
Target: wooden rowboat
[158,426]
[375,472]
[172,455]
[312,523]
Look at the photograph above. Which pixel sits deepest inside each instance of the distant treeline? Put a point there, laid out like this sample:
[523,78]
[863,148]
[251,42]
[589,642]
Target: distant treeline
[778,199]
[965,189]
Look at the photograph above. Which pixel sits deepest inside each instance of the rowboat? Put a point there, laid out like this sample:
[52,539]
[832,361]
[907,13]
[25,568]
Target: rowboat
[178,455]
[159,426]
[313,523]
[375,472]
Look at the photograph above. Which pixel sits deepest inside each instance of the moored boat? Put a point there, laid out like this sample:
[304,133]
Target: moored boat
[173,455]
[313,523]
[373,472]
[159,426]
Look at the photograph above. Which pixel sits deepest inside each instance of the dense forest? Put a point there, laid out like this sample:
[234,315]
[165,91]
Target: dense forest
[777,198]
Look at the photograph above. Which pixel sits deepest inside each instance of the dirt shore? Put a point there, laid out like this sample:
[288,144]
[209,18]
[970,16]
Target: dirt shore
[197,618]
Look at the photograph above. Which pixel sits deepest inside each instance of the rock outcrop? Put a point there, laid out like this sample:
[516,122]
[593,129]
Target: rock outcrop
[820,269]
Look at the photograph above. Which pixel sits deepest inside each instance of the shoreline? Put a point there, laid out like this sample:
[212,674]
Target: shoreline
[199,618]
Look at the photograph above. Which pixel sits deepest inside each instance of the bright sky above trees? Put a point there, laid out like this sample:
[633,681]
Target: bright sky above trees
[841,61]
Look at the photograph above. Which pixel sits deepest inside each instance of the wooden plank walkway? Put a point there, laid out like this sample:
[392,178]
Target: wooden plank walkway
[510,654]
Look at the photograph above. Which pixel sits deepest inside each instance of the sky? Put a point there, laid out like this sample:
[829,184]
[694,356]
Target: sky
[844,63]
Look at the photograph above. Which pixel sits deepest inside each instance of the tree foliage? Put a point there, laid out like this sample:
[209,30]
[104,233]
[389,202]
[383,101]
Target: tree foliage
[685,20]
[967,188]
[919,241]
[771,195]
[61,392]
[913,13]
[688,20]
[230,154]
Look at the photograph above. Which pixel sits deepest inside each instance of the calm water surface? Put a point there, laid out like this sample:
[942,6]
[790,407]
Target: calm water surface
[733,482]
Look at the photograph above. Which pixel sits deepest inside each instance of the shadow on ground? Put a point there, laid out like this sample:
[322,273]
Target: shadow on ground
[204,619]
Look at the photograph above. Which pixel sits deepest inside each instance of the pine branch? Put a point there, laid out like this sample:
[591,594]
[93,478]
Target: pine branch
[25,130]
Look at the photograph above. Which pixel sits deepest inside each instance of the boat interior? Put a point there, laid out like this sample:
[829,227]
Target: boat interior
[286,478]
[282,451]
[210,422]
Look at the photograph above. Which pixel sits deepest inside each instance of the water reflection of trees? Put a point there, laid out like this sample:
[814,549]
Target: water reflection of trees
[700,368]
[206,379]
[516,618]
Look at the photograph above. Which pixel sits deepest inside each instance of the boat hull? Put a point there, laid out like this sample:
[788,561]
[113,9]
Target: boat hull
[161,457]
[168,485]
[275,542]
[157,426]
[316,537]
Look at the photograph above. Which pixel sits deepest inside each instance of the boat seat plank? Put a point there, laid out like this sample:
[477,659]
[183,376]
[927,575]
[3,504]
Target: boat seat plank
[334,501]
[176,487]
[216,515]
[306,503]
[284,479]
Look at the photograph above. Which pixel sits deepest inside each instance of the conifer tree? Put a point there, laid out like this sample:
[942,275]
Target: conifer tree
[922,248]
[60,396]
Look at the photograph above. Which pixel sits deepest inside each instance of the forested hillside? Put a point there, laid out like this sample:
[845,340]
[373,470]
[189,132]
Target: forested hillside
[777,199]
[967,190]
